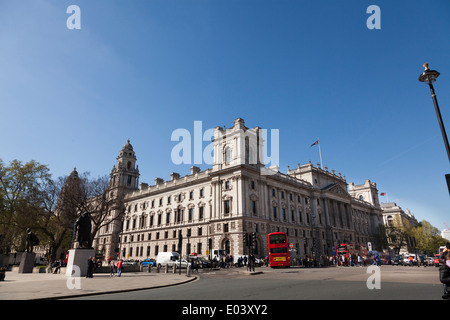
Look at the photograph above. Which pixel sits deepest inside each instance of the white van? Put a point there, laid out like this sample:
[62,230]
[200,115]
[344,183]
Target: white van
[170,258]
[218,254]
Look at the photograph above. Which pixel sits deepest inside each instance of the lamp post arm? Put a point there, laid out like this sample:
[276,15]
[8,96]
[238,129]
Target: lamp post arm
[441,124]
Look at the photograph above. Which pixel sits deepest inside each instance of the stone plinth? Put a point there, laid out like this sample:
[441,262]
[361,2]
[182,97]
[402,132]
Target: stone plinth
[27,262]
[77,262]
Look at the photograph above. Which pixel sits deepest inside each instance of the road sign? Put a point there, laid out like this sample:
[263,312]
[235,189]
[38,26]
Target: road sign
[369,245]
[291,245]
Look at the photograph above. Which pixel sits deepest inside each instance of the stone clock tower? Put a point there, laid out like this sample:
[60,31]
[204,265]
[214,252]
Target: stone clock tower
[124,178]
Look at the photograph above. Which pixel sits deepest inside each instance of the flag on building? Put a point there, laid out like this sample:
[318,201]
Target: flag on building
[382,193]
[315,143]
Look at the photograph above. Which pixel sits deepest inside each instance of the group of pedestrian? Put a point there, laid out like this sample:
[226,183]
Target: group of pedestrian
[226,261]
[313,261]
[358,260]
[444,271]
[115,268]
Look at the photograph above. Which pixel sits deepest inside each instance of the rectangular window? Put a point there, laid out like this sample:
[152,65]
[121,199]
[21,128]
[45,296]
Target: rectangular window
[254,207]
[226,206]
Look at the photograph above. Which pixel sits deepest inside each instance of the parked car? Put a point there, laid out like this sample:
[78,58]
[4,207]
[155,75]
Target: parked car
[397,260]
[129,262]
[205,263]
[410,259]
[437,262]
[202,262]
[429,261]
[147,262]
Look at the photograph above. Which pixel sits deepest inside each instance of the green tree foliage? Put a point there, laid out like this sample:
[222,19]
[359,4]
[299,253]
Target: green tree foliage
[427,237]
[20,185]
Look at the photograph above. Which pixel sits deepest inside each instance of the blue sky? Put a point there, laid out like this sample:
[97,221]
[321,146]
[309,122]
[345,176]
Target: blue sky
[139,70]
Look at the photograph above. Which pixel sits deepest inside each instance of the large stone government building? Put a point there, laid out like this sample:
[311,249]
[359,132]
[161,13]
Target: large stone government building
[317,208]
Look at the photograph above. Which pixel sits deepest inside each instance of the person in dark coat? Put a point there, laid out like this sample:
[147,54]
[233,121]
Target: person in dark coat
[444,273]
[91,266]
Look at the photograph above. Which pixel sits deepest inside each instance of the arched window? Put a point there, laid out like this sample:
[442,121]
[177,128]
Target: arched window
[227,246]
[227,155]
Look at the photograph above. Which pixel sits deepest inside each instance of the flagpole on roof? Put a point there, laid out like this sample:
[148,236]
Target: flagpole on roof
[320,153]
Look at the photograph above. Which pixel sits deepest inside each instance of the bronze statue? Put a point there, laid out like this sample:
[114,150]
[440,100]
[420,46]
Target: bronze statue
[32,240]
[83,231]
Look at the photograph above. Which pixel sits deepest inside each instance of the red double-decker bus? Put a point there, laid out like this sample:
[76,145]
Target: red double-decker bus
[278,250]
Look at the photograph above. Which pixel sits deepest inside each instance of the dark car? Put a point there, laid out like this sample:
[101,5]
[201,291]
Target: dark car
[397,260]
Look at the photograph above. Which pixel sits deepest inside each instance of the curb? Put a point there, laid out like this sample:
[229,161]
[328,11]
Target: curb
[115,291]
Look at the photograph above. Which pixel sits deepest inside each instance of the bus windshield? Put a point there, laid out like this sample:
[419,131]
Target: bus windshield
[277,238]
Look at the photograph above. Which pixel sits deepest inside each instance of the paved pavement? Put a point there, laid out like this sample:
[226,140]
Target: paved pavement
[30,286]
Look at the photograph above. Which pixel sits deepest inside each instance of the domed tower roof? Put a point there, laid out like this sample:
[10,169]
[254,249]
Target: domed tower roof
[127,146]
[73,174]
[127,151]
[125,173]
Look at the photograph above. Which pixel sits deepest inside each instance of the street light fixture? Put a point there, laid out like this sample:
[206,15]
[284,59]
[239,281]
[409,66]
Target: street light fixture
[429,77]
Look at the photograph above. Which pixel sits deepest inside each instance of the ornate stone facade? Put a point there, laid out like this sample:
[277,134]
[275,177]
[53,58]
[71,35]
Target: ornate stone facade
[237,196]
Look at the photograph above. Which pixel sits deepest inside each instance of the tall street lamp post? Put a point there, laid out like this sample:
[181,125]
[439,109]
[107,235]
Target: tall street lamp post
[429,77]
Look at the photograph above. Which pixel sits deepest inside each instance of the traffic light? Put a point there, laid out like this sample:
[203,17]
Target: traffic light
[246,240]
[253,238]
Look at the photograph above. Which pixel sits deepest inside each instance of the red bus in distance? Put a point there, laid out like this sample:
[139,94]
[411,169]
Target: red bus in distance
[278,250]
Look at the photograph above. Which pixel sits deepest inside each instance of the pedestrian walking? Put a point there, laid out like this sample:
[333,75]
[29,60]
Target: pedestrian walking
[444,274]
[112,272]
[2,273]
[251,262]
[119,268]
[90,268]
[58,265]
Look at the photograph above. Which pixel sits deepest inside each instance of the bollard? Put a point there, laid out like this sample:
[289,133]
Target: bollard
[188,270]
[166,268]
[149,268]
[174,268]
[157,268]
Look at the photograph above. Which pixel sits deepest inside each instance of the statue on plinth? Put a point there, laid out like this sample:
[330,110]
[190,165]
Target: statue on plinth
[32,240]
[82,229]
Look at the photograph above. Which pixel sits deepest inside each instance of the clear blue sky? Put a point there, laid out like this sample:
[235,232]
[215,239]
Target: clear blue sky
[139,70]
